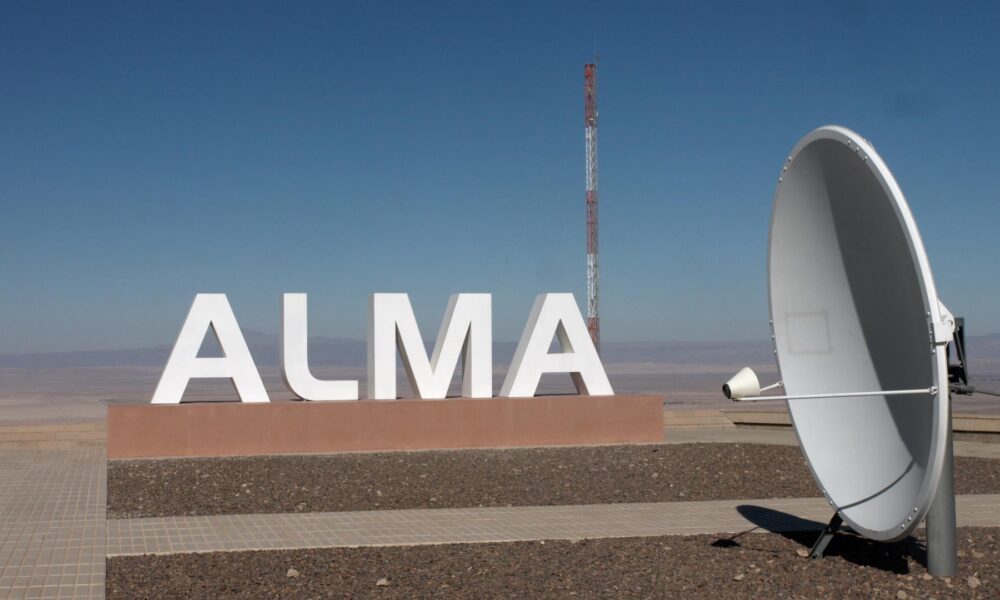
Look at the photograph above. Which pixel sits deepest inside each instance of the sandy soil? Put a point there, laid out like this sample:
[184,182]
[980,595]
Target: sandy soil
[749,566]
[469,478]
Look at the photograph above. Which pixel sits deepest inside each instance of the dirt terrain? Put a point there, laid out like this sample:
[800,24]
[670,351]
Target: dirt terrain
[704,566]
[471,478]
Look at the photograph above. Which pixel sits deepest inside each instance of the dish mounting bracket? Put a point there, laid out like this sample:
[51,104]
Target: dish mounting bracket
[819,547]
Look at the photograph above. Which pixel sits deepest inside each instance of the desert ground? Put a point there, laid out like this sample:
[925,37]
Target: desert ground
[80,394]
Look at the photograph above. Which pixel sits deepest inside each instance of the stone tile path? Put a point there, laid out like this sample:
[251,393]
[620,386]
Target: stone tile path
[52,523]
[54,536]
[786,437]
[165,535]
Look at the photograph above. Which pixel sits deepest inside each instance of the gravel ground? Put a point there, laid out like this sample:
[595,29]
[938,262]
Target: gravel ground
[750,566]
[469,478]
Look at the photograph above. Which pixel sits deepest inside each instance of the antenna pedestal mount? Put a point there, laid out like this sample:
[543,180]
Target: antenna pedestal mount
[942,553]
[824,539]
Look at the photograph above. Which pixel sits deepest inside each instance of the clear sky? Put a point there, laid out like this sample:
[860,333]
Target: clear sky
[152,151]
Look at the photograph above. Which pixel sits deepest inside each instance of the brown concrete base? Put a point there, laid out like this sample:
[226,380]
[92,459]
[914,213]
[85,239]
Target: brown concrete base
[238,429]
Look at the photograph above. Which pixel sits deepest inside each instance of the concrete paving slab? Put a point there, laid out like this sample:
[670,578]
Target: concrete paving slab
[52,522]
[786,437]
[167,535]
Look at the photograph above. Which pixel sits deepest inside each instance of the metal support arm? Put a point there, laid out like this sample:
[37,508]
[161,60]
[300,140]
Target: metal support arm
[930,390]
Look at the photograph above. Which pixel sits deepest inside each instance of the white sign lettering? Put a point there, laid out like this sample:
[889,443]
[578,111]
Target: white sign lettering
[555,314]
[466,330]
[295,357]
[210,311]
[465,335]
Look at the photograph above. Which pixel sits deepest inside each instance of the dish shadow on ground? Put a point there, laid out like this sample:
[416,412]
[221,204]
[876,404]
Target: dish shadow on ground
[892,557]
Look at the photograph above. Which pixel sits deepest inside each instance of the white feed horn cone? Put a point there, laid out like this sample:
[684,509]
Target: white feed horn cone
[743,385]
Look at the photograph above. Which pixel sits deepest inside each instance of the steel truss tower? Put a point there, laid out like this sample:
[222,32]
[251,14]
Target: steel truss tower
[590,135]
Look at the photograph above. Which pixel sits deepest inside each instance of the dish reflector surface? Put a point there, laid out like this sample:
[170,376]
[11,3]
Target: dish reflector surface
[852,303]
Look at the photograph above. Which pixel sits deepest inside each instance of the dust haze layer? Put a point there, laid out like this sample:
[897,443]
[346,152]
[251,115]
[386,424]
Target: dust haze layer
[77,386]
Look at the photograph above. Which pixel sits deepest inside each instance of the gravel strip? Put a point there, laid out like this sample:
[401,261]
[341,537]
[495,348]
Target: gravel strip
[470,478]
[750,566]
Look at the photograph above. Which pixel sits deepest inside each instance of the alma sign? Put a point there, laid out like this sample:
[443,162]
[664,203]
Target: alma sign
[465,334]
[336,422]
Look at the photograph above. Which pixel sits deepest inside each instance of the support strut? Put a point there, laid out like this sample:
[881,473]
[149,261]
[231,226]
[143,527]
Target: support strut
[824,539]
[942,551]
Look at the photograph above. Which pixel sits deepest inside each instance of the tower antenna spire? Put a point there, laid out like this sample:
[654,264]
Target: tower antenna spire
[590,137]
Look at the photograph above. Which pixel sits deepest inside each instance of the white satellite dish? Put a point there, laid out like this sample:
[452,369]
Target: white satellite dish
[860,336]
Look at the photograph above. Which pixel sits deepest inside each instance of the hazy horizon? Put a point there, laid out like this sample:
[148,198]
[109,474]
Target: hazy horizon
[264,346]
[77,386]
[58,387]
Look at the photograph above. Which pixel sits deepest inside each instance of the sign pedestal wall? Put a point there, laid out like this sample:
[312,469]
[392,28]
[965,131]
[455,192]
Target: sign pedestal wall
[243,429]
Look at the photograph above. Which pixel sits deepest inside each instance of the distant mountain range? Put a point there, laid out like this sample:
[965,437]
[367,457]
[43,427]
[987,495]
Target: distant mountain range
[324,351]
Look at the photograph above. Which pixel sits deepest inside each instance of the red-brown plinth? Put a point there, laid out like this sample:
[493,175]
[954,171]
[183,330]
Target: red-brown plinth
[239,429]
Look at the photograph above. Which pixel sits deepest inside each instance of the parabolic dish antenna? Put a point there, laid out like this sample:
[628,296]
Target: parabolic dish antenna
[854,310]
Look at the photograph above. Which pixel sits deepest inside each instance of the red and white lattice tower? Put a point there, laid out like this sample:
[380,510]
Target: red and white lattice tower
[593,270]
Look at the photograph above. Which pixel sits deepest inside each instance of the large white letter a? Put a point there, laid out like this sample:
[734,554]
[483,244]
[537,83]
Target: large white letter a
[555,315]
[210,311]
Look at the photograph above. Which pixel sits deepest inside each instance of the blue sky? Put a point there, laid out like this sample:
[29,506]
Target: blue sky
[149,152]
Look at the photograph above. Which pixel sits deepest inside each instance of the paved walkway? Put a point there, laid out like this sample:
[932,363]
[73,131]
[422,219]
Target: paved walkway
[786,437]
[54,536]
[52,523]
[167,535]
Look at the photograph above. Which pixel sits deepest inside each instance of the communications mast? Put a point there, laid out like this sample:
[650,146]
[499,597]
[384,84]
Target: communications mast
[590,131]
